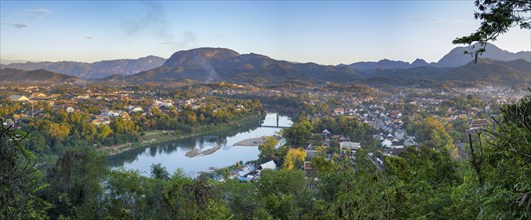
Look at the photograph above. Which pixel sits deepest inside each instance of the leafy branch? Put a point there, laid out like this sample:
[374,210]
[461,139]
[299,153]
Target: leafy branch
[496,16]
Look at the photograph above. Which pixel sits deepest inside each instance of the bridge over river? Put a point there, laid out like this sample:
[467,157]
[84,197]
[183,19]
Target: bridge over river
[274,126]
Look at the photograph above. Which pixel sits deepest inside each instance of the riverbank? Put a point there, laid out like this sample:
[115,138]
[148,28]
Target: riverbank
[164,136]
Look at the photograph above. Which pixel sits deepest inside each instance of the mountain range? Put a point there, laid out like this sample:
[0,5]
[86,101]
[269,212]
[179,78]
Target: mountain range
[216,64]
[35,76]
[94,70]
[495,67]
[387,64]
[485,71]
[455,58]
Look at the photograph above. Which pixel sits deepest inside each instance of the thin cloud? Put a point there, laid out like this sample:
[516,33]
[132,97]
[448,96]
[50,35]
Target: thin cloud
[19,26]
[21,19]
[38,13]
[88,38]
[15,25]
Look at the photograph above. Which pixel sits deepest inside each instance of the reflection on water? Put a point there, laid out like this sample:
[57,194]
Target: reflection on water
[172,155]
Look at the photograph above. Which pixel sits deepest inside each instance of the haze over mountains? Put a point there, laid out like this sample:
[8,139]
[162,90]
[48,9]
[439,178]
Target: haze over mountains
[455,58]
[484,72]
[95,70]
[388,64]
[495,67]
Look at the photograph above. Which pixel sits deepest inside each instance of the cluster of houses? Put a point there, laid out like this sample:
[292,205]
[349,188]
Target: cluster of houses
[68,103]
[390,123]
[252,172]
[107,115]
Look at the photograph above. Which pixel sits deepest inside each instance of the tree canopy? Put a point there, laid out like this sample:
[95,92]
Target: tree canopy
[497,17]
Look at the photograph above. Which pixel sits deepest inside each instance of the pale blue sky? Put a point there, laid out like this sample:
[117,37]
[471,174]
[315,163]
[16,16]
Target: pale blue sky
[313,31]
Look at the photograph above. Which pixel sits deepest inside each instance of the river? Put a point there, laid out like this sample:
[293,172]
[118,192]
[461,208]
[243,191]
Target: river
[172,155]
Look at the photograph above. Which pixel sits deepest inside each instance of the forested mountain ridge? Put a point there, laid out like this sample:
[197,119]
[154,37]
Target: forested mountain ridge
[484,72]
[35,76]
[216,64]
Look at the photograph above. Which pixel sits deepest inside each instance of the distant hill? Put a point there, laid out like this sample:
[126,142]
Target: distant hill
[387,64]
[35,76]
[456,57]
[492,72]
[484,72]
[95,70]
[6,61]
[217,64]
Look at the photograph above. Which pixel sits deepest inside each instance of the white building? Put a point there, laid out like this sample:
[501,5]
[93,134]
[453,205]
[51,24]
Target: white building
[268,165]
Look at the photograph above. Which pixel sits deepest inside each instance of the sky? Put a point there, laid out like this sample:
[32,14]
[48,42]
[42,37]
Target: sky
[299,31]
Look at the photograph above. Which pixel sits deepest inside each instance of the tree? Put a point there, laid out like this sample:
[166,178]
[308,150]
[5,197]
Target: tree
[75,185]
[105,131]
[201,117]
[159,172]
[241,198]
[505,174]
[18,179]
[496,17]
[37,143]
[155,111]
[185,198]
[267,149]
[191,117]
[88,132]
[321,164]
[432,133]
[59,131]
[299,133]
[282,192]
[128,195]
[507,167]
[294,158]
[238,165]
[357,189]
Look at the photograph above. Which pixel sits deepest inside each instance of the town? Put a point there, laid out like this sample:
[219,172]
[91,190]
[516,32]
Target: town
[112,118]
[272,146]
